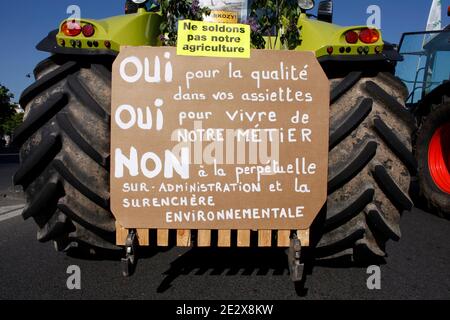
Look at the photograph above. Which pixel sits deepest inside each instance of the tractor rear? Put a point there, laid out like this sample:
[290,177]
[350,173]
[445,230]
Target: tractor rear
[426,72]
[65,138]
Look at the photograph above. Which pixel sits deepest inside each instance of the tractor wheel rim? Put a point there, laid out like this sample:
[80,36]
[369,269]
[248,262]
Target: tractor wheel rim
[439,158]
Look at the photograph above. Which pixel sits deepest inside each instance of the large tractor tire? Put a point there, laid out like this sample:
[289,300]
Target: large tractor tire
[65,143]
[370,167]
[433,157]
[65,159]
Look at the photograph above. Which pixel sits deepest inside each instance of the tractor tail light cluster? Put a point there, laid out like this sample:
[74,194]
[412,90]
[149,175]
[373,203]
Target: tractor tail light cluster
[368,36]
[73,29]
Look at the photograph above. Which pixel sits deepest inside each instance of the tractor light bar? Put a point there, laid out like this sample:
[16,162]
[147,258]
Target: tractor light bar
[366,35]
[73,29]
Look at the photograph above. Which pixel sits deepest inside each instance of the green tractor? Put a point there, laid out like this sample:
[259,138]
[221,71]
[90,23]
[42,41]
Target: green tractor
[65,139]
[426,72]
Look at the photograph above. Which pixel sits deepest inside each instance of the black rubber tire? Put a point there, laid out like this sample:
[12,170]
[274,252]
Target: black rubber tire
[437,200]
[65,159]
[65,152]
[371,163]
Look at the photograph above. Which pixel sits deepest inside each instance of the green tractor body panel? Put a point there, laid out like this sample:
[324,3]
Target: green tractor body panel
[139,29]
[318,36]
[143,29]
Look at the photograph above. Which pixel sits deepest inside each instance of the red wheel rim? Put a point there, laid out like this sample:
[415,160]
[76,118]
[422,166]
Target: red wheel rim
[439,158]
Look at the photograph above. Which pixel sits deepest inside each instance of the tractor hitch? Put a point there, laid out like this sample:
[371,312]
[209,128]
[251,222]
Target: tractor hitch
[131,247]
[296,267]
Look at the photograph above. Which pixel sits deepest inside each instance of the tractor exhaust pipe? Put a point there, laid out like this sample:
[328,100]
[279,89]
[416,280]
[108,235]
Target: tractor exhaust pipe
[325,11]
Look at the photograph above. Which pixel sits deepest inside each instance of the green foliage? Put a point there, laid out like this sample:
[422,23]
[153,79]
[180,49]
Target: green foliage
[9,118]
[12,123]
[172,11]
[279,17]
[266,19]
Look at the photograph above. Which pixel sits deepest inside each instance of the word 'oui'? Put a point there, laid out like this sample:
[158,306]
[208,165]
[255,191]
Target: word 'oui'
[141,69]
[127,117]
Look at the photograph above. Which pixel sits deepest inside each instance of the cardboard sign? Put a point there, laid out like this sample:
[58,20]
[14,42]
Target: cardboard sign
[206,39]
[211,143]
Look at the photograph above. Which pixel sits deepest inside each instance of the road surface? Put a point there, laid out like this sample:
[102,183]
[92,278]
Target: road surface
[418,267]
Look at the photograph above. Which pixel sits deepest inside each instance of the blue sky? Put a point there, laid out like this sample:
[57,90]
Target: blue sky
[23,23]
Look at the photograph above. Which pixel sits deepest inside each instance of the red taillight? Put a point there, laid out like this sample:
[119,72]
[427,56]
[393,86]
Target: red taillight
[330,50]
[351,37]
[88,30]
[71,29]
[369,36]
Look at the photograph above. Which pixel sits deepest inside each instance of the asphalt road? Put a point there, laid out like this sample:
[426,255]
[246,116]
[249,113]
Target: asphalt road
[9,194]
[418,267]
[8,165]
